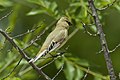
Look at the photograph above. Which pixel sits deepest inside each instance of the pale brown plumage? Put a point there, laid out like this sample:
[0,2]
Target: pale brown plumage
[55,38]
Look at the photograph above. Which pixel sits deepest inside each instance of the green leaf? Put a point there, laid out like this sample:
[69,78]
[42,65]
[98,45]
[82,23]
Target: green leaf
[97,78]
[93,28]
[53,6]
[13,19]
[6,3]
[34,12]
[2,40]
[13,78]
[78,74]
[59,63]
[69,71]
[75,4]
[83,12]
[79,61]
[117,7]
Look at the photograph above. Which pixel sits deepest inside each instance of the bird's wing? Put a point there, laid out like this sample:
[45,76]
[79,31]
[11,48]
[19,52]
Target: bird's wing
[57,40]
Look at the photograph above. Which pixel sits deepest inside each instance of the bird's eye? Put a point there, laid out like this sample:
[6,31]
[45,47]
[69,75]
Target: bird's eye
[69,23]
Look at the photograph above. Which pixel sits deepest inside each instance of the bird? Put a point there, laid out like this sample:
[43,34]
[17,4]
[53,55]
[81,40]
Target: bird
[55,38]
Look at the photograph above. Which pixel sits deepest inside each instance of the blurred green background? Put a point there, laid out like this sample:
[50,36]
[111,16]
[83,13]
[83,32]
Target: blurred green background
[83,49]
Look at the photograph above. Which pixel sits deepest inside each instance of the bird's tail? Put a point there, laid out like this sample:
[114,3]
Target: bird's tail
[38,56]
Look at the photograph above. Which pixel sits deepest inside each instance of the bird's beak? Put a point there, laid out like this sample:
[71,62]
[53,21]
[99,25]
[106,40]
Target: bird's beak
[70,23]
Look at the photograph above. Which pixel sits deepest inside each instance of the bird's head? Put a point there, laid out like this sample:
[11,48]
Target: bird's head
[64,22]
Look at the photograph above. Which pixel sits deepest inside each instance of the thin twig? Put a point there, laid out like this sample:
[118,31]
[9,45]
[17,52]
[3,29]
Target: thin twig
[99,51]
[86,74]
[29,31]
[89,12]
[119,75]
[114,48]
[107,6]
[6,15]
[12,70]
[102,40]
[58,72]
[84,26]
[47,64]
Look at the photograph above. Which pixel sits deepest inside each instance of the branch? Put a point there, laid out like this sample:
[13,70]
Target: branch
[29,31]
[24,55]
[6,15]
[114,48]
[107,6]
[102,40]
[85,76]
[58,72]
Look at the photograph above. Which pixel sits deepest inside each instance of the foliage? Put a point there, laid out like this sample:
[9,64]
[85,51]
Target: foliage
[41,15]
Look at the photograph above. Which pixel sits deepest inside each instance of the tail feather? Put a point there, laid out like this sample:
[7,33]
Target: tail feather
[38,56]
[51,48]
